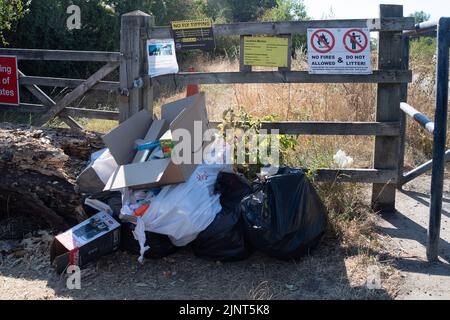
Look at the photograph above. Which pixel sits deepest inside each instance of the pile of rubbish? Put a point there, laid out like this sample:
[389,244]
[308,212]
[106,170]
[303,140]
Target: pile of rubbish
[140,200]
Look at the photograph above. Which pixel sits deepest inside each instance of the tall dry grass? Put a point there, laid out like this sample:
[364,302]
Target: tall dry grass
[324,102]
[298,102]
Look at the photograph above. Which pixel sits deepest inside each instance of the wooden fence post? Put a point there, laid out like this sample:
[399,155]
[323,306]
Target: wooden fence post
[242,66]
[390,49]
[133,64]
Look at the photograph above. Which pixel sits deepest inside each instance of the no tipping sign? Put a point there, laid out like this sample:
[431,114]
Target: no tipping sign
[339,51]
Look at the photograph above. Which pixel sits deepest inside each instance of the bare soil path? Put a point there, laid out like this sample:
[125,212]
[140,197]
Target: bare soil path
[405,236]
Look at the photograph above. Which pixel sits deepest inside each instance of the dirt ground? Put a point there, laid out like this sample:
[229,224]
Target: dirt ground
[334,271]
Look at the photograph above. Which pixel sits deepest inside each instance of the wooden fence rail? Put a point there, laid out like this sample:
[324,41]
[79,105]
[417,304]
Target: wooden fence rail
[280,28]
[61,55]
[66,83]
[184,78]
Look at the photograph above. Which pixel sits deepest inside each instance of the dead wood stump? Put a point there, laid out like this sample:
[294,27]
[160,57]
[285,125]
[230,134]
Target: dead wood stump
[38,168]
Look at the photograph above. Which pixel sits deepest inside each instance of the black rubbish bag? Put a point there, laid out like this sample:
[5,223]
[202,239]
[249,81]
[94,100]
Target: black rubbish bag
[284,216]
[224,239]
[112,198]
[160,244]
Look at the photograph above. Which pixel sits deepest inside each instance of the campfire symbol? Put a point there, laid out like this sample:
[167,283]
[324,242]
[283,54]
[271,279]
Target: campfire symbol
[323,41]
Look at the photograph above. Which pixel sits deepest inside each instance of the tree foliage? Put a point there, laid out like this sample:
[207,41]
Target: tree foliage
[10,12]
[44,27]
[288,10]
[420,16]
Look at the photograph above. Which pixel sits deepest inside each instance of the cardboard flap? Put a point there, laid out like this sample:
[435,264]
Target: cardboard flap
[120,140]
[171,110]
[190,110]
[137,174]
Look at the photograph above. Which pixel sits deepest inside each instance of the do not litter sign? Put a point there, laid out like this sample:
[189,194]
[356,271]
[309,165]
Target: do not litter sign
[339,51]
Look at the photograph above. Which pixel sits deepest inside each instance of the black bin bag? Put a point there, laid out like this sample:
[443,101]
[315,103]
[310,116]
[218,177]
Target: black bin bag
[284,216]
[224,239]
[160,244]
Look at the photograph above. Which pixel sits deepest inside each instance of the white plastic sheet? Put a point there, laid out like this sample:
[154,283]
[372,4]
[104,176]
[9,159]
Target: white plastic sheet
[342,160]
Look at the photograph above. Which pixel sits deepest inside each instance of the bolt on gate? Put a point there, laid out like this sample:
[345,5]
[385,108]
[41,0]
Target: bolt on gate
[135,90]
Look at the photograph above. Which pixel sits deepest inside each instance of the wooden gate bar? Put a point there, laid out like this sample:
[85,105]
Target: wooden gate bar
[66,83]
[48,102]
[61,55]
[184,78]
[289,27]
[68,111]
[330,128]
[357,175]
[76,93]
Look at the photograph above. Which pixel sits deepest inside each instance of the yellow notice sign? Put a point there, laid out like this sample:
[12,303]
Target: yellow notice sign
[266,51]
[191,24]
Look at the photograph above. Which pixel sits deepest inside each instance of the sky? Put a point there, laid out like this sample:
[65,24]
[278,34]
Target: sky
[358,9]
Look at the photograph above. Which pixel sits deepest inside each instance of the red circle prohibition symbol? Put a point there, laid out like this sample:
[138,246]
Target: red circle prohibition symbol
[329,46]
[360,47]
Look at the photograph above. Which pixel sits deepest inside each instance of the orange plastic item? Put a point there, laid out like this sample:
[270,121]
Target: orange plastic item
[139,212]
[192,89]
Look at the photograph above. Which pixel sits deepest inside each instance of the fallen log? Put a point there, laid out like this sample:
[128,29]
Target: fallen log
[38,168]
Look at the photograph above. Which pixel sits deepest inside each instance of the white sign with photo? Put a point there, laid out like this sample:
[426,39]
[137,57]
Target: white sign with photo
[161,57]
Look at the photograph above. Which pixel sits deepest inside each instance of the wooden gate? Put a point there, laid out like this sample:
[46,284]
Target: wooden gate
[48,108]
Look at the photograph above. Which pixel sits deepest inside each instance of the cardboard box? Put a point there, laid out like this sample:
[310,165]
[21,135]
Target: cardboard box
[86,242]
[180,114]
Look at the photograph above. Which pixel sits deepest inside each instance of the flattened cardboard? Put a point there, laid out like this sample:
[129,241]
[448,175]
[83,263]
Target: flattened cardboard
[153,173]
[87,241]
[138,174]
[120,140]
[183,113]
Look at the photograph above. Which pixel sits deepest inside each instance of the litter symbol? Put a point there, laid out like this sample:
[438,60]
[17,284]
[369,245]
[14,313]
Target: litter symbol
[355,41]
[323,41]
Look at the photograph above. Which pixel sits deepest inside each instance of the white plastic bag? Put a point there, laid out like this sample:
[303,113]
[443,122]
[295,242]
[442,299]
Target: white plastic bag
[342,160]
[183,211]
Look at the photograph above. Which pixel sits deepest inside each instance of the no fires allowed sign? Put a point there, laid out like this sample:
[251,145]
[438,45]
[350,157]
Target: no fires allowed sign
[339,51]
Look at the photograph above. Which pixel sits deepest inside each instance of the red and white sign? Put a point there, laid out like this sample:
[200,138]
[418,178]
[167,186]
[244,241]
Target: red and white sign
[9,80]
[355,41]
[323,41]
[339,51]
